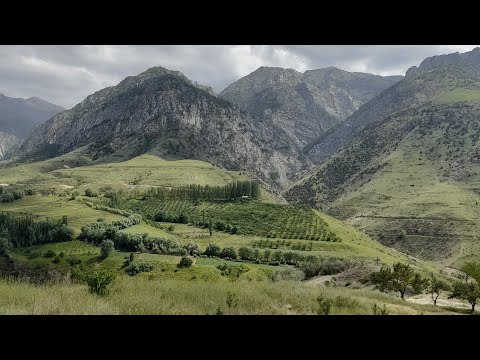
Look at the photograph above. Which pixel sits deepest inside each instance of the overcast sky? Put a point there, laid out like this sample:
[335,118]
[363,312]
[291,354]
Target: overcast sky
[65,75]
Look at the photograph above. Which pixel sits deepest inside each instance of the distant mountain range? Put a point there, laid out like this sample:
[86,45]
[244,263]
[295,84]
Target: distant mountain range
[19,116]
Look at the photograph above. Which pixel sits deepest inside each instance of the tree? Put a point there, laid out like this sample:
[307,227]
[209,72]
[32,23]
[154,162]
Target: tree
[210,227]
[399,279]
[212,250]
[106,247]
[245,253]
[466,291]
[4,245]
[471,269]
[435,287]
[185,262]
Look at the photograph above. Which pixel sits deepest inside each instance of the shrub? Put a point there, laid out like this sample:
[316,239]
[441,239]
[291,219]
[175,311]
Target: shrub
[50,254]
[73,260]
[171,228]
[246,253]
[212,250]
[91,193]
[228,252]
[185,262]
[192,249]
[99,281]
[134,269]
[106,248]
[324,305]
[4,247]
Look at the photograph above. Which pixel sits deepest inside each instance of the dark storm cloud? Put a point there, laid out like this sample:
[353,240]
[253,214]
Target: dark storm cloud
[65,75]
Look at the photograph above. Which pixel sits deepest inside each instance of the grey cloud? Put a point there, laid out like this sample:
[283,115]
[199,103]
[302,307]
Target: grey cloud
[65,75]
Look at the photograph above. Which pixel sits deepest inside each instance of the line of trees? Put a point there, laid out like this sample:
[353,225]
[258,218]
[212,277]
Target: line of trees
[23,231]
[100,232]
[311,265]
[231,191]
[403,278]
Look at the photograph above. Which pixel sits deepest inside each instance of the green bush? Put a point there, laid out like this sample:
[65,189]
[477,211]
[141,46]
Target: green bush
[212,250]
[134,269]
[4,247]
[99,281]
[228,252]
[49,254]
[73,260]
[91,193]
[185,262]
[106,247]
[324,305]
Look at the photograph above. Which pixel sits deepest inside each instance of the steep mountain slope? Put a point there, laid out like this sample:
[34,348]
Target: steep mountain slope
[19,116]
[6,142]
[412,91]
[412,180]
[305,105]
[163,112]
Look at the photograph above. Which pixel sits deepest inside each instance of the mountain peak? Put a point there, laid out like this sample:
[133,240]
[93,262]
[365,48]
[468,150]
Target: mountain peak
[471,57]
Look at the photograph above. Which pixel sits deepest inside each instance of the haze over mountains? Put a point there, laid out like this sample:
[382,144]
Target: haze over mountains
[19,116]
[369,145]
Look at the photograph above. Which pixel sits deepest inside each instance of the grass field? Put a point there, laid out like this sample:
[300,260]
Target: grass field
[140,295]
[459,95]
[55,207]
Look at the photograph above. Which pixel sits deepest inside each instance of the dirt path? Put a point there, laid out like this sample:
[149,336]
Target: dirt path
[319,280]
[443,301]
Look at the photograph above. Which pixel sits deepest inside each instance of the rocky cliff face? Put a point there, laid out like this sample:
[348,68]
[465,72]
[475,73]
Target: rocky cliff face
[164,112]
[6,143]
[19,116]
[304,105]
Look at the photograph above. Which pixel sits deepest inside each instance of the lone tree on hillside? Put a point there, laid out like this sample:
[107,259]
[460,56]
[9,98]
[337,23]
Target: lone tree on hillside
[399,279]
[466,291]
[469,291]
[436,286]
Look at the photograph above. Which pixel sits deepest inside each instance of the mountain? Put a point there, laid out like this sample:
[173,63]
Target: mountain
[6,142]
[465,60]
[411,91]
[411,177]
[305,105]
[162,112]
[19,116]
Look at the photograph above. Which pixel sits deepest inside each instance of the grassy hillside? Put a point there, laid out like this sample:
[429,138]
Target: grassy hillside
[412,182]
[459,95]
[262,226]
[142,296]
[200,289]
